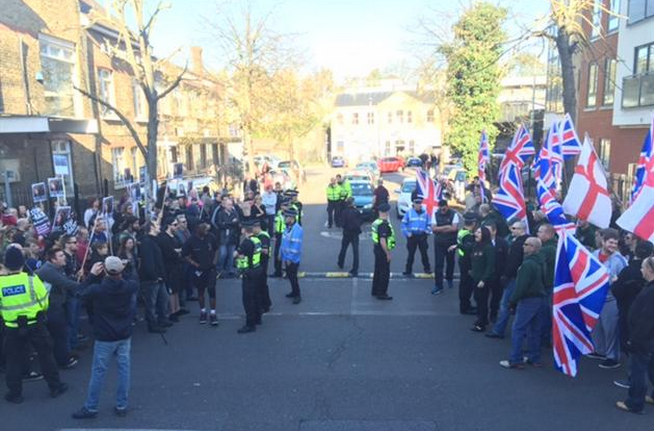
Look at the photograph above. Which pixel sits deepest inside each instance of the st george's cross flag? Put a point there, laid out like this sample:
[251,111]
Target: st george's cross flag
[482,161]
[581,283]
[646,154]
[639,217]
[429,190]
[570,143]
[588,196]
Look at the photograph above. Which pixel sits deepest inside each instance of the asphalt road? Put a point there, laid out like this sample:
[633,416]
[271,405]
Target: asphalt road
[339,361]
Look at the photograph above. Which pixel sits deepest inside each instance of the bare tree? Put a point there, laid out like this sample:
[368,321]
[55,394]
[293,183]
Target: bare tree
[133,49]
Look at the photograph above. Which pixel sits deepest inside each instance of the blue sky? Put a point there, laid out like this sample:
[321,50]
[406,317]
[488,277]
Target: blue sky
[350,37]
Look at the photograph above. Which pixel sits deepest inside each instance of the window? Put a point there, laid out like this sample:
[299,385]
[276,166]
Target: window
[643,62]
[355,118]
[139,101]
[62,148]
[215,157]
[412,147]
[609,81]
[189,157]
[58,68]
[409,117]
[640,9]
[371,118]
[605,152]
[339,118]
[133,152]
[387,148]
[203,156]
[106,91]
[390,118]
[173,155]
[340,145]
[613,19]
[591,98]
[597,19]
[118,162]
[400,116]
[430,116]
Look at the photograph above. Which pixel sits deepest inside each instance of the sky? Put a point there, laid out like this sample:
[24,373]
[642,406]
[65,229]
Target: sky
[350,37]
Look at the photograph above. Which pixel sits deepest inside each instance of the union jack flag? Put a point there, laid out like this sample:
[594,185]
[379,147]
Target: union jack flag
[581,283]
[569,139]
[549,161]
[509,199]
[521,149]
[430,191]
[645,156]
[484,156]
[553,209]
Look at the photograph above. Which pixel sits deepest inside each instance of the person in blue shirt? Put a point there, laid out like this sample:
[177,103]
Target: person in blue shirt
[291,252]
[416,227]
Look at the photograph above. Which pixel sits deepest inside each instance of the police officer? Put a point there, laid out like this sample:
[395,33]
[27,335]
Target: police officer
[383,238]
[23,305]
[444,224]
[264,293]
[291,252]
[416,226]
[280,225]
[248,262]
[333,200]
[351,218]
[345,192]
[295,204]
[465,242]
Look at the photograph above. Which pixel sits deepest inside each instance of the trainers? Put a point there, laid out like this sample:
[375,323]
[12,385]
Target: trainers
[54,393]
[213,319]
[121,413]
[508,365]
[14,398]
[450,284]
[69,364]
[609,364]
[596,356]
[437,290]
[245,329]
[203,318]
[624,383]
[407,273]
[84,413]
[478,328]
[385,297]
[625,408]
[493,335]
[297,300]
[649,400]
[32,376]
[290,295]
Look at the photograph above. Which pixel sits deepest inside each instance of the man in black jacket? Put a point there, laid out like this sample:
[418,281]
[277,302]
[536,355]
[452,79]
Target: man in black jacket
[200,252]
[152,273]
[501,253]
[113,305]
[225,221]
[351,223]
[511,265]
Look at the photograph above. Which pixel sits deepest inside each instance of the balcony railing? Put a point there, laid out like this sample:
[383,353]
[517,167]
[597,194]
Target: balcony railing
[638,90]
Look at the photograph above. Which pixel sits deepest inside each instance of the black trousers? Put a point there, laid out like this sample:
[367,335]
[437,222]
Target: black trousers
[58,327]
[481,298]
[382,274]
[332,210]
[251,293]
[417,242]
[17,342]
[441,254]
[496,292]
[349,238]
[278,258]
[291,273]
[466,287]
[339,207]
[264,292]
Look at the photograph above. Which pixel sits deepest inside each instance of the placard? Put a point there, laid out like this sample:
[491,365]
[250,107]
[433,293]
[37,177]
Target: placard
[39,193]
[56,188]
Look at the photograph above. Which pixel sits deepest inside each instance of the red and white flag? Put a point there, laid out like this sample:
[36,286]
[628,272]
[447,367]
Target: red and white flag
[588,196]
[639,217]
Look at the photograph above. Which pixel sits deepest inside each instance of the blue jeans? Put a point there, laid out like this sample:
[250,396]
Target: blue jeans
[503,318]
[527,323]
[102,353]
[641,366]
[72,319]
[226,258]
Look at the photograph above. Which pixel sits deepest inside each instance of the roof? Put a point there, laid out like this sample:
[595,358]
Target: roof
[375,98]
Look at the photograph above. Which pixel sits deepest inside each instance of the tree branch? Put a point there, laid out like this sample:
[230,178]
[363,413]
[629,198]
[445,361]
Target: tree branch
[123,118]
[174,84]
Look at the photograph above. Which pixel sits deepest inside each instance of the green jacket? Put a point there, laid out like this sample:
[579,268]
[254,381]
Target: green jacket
[529,281]
[587,236]
[548,253]
[483,264]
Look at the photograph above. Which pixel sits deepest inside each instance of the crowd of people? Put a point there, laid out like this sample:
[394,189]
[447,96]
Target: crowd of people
[114,261]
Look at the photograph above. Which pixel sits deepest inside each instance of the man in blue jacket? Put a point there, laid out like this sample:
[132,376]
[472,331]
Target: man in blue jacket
[291,252]
[416,226]
[113,305]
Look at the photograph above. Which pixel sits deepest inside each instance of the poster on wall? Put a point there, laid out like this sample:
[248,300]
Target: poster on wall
[39,193]
[61,164]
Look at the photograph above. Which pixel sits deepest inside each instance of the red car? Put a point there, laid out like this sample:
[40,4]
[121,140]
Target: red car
[390,164]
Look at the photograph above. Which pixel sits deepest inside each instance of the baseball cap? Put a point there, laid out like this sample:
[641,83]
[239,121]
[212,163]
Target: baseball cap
[113,265]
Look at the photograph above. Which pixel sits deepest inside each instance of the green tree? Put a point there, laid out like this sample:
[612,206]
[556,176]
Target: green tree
[473,78]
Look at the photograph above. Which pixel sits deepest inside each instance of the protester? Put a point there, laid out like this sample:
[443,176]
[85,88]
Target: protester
[351,223]
[444,225]
[152,275]
[482,272]
[171,250]
[200,252]
[226,222]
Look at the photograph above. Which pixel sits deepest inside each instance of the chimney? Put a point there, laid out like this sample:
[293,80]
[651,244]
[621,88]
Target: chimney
[196,60]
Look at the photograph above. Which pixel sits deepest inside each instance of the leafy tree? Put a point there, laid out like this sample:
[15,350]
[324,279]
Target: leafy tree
[473,74]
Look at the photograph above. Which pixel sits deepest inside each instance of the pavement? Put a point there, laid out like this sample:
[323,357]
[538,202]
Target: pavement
[339,361]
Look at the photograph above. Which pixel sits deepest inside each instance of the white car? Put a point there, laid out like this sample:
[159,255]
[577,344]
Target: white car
[359,175]
[404,200]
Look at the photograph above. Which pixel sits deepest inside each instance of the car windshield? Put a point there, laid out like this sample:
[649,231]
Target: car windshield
[408,187]
[356,178]
[361,189]
[284,164]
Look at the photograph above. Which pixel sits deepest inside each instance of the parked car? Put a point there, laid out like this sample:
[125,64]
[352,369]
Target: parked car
[413,162]
[390,164]
[338,162]
[370,166]
[404,198]
[359,175]
[295,168]
[282,177]
[362,192]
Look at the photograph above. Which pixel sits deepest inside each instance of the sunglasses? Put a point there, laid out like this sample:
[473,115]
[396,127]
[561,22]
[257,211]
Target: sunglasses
[71,242]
